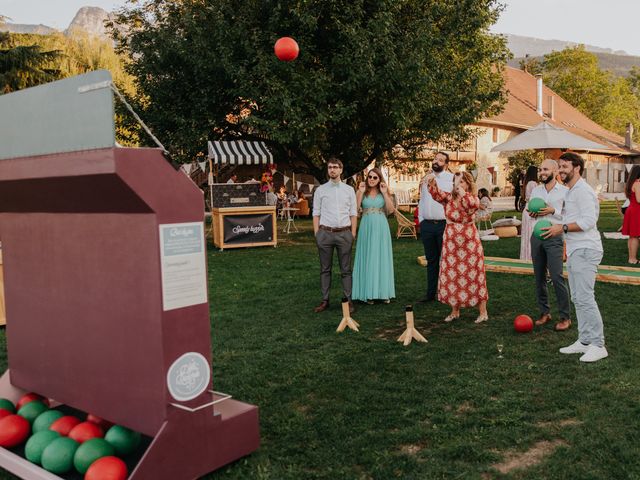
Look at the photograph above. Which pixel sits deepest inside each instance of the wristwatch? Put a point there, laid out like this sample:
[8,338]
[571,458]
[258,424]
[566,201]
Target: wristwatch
[565,228]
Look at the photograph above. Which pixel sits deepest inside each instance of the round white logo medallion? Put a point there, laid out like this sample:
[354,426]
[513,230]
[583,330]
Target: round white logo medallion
[188,376]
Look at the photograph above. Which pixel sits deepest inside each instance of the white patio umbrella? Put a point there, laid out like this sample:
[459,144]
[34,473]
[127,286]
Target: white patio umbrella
[545,135]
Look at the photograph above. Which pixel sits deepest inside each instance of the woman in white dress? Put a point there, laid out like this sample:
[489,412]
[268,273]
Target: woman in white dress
[530,182]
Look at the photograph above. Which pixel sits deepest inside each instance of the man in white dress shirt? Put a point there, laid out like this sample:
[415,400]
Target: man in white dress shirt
[433,222]
[335,220]
[584,253]
[547,254]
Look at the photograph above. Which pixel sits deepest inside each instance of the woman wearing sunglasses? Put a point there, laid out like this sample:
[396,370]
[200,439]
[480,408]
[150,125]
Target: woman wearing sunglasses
[373,268]
[462,281]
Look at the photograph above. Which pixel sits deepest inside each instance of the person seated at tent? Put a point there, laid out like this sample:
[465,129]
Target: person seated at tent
[302,204]
[272,198]
[282,193]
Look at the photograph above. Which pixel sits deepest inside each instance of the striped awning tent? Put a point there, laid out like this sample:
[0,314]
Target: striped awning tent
[239,152]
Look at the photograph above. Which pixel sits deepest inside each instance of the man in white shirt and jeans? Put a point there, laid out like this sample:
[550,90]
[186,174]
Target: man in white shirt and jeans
[335,220]
[433,222]
[584,253]
[547,254]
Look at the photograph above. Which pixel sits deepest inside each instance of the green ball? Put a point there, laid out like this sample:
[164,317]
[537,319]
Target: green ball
[536,204]
[90,451]
[32,410]
[37,443]
[57,457]
[7,405]
[537,228]
[45,419]
[123,439]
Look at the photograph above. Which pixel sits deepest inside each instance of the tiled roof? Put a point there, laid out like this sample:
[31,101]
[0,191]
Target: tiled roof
[520,112]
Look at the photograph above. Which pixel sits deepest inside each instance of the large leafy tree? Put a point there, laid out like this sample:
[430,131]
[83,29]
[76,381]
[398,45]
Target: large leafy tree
[611,101]
[371,73]
[23,66]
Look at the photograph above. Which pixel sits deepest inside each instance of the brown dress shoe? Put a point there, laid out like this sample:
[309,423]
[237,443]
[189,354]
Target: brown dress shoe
[563,325]
[543,319]
[322,307]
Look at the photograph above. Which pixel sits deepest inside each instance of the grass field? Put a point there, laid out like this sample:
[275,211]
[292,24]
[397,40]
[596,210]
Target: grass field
[362,406]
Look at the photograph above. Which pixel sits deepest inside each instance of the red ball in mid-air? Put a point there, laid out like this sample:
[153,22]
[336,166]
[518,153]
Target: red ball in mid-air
[523,323]
[286,49]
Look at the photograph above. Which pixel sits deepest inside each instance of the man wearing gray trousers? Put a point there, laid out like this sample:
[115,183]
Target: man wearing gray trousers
[335,222]
[584,253]
[547,254]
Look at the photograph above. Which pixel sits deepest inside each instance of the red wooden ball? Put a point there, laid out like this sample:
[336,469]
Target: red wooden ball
[523,323]
[107,468]
[4,413]
[64,425]
[30,397]
[286,49]
[85,431]
[101,422]
[14,429]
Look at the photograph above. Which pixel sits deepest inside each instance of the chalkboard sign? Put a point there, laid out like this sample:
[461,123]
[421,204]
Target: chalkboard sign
[251,228]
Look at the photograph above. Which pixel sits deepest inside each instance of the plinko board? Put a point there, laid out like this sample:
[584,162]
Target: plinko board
[107,311]
[609,274]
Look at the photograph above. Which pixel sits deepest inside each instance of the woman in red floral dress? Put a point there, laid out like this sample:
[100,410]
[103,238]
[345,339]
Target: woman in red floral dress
[462,281]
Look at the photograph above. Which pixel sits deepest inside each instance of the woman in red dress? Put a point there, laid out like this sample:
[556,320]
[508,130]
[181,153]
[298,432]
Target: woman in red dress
[631,222]
[462,281]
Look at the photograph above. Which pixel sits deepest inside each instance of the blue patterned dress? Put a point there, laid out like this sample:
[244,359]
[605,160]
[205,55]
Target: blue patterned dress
[373,268]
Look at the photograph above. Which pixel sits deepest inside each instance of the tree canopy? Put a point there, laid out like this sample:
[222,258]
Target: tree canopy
[23,66]
[27,60]
[371,74]
[611,101]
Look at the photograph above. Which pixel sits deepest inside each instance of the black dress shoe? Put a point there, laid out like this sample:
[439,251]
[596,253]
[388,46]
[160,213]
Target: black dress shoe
[352,308]
[322,307]
[425,300]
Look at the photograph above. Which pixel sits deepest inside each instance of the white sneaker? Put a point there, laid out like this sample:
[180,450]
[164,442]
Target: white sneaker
[594,354]
[576,347]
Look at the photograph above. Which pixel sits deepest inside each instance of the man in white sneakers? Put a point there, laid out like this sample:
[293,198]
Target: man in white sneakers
[584,253]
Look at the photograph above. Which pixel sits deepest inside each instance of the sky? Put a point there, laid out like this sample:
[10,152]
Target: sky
[607,24]
[604,23]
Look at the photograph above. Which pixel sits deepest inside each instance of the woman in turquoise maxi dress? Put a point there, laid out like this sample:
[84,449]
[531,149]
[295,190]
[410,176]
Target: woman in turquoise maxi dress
[373,269]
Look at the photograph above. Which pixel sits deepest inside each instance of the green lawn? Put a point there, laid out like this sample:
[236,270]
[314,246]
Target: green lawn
[360,405]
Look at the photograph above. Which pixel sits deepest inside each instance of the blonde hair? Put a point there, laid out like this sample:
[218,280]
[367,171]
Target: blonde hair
[468,178]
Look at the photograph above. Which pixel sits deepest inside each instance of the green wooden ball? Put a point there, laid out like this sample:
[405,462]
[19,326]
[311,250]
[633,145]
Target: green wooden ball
[37,443]
[57,457]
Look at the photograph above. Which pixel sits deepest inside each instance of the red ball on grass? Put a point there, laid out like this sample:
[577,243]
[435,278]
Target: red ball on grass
[523,323]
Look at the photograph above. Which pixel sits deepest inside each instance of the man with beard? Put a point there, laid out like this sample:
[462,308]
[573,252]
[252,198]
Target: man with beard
[584,253]
[335,222]
[433,222]
[547,254]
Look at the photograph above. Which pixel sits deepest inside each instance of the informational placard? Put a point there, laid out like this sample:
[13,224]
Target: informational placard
[184,271]
[252,228]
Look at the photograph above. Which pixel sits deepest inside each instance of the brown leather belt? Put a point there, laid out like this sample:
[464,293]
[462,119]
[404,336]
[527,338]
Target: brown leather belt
[334,230]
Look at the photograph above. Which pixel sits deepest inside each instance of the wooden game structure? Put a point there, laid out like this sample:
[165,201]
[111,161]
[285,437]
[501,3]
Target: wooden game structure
[606,273]
[347,321]
[105,285]
[410,333]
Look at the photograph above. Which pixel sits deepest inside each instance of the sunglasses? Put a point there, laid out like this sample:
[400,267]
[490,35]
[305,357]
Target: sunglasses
[373,177]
